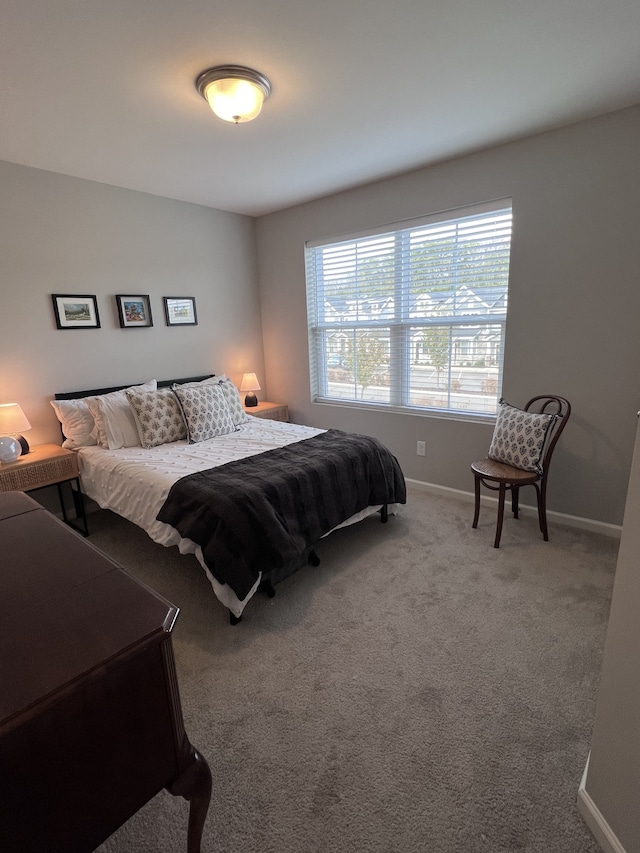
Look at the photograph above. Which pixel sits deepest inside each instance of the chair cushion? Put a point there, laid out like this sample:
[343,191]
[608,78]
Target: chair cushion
[519,438]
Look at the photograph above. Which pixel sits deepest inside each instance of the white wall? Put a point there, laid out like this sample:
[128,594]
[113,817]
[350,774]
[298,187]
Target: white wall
[66,235]
[574,311]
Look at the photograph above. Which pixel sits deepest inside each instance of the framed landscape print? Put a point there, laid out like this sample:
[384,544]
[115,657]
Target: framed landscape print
[180,311]
[134,312]
[75,312]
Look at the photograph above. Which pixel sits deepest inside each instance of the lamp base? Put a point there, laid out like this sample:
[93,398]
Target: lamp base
[10,449]
[250,400]
[24,444]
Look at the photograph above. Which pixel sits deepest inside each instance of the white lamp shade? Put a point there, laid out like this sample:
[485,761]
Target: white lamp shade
[12,418]
[250,382]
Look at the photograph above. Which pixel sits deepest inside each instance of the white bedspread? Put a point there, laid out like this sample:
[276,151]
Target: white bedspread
[134,482]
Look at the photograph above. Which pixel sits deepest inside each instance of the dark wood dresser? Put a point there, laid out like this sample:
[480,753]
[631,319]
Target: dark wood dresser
[90,719]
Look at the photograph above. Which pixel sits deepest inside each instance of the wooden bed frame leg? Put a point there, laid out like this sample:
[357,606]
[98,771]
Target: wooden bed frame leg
[313,558]
[384,513]
[233,619]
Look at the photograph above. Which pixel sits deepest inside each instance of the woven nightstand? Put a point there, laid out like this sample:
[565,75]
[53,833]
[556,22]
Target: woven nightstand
[271,411]
[46,465]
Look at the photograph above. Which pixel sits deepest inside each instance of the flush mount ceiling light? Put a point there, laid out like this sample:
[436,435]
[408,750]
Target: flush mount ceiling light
[233,92]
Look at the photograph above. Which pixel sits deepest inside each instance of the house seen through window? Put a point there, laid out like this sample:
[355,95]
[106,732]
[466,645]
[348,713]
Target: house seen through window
[412,316]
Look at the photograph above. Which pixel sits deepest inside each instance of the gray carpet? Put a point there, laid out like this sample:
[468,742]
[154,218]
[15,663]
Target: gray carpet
[418,691]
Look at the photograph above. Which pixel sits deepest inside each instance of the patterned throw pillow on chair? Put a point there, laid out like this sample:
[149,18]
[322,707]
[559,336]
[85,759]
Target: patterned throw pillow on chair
[519,438]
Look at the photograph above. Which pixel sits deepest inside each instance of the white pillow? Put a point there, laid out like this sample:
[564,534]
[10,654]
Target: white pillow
[205,410]
[77,423]
[115,423]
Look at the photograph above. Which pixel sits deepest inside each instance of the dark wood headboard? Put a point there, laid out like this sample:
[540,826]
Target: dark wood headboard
[94,392]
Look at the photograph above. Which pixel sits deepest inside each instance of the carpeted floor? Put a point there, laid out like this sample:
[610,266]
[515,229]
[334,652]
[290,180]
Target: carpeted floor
[419,691]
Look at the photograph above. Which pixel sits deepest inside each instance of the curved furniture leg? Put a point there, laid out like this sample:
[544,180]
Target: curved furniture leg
[542,509]
[515,494]
[384,513]
[501,494]
[194,784]
[477,492]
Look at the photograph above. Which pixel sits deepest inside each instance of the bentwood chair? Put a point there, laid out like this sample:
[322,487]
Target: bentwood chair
[520,453]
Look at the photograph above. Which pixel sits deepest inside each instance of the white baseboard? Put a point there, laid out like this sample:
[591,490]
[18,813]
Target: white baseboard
[601,830]
[603,527]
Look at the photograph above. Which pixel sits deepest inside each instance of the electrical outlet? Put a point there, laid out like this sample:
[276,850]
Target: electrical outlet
[421,448]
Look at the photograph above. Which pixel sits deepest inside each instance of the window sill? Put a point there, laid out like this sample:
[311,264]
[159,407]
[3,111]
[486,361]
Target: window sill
[439,414]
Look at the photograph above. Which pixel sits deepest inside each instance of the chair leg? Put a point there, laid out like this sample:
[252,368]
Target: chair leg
[501,494]
[515,494]
[542,509]
[477,509]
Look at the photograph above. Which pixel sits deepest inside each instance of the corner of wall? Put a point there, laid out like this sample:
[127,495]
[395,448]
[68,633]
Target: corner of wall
[594,819]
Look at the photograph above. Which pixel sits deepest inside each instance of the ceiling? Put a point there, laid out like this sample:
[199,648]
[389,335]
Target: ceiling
[362,89]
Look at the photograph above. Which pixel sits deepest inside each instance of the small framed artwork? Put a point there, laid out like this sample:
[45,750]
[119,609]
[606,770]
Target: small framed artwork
[134,312]
[75,312]
[180,311]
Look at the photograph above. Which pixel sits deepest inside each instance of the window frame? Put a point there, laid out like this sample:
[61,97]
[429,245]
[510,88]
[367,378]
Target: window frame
[402,328]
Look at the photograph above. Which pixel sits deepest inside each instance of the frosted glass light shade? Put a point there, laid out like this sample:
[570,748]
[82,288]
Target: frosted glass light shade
[233,92]
[234,100]
[10,448]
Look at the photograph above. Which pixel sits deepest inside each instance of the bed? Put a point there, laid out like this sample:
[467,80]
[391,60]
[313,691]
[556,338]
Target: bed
[250,497]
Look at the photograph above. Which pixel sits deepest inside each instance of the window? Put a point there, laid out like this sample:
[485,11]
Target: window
[412,317]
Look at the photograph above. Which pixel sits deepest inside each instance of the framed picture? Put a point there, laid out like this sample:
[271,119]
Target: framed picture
[134,312]
[180,311]
[75,312]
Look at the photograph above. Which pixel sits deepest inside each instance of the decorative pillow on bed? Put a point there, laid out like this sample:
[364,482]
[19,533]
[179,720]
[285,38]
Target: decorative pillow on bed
[233,399]
[115,424]
[519,438]
[231,393]
[158,416]
[205,410]
[77,423]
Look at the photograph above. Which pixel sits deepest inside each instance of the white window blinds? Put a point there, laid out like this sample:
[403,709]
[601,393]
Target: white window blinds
[412,316]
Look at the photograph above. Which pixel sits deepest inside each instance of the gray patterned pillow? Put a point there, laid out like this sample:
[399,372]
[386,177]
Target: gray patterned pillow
[519,438]
[158,416]
[233,401]
[231,393]
[205,410]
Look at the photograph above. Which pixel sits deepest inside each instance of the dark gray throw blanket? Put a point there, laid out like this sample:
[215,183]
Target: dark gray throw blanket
[263,512]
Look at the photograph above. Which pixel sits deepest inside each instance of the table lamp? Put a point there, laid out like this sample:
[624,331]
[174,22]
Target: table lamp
[250,384]
[12,421]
